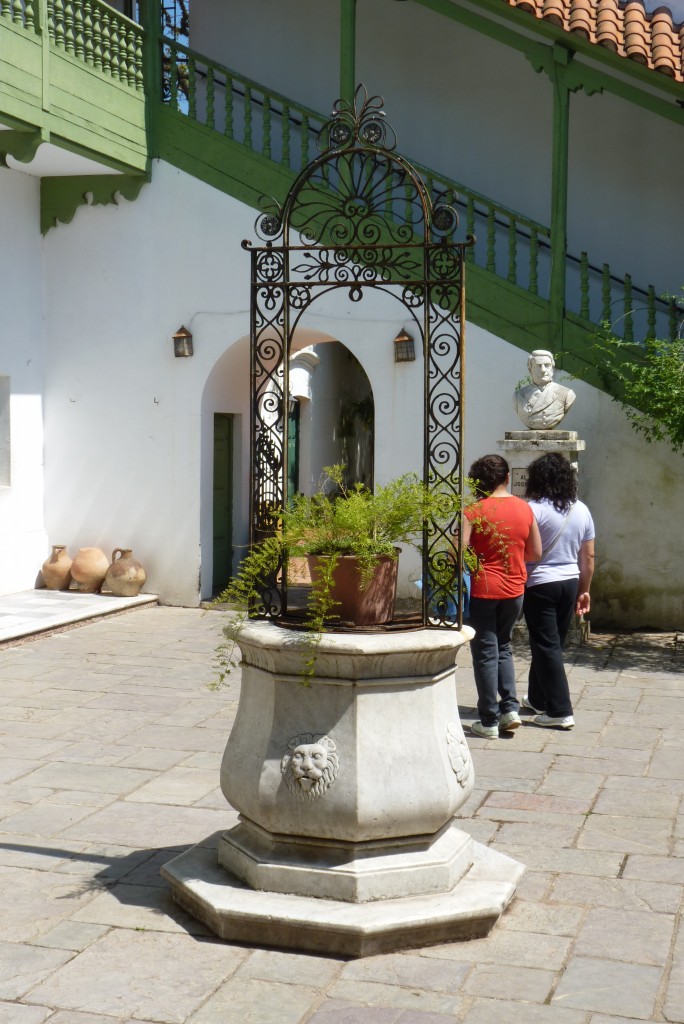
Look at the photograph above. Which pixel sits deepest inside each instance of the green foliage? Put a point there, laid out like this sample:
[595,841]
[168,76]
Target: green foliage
[648,382]
[334,521]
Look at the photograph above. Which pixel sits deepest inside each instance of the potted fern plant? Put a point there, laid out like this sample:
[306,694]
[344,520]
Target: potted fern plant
[349,536]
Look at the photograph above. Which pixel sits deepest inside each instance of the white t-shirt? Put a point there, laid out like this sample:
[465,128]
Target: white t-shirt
[561,563]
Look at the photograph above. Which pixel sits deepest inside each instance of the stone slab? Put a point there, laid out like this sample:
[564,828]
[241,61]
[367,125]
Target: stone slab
[237,913]
[609,987]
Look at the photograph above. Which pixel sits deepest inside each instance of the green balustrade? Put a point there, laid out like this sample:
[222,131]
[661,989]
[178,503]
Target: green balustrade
[512,252]
[51,20]
[629,310]
[228,113]
[79,41]
[605,290]
[210,98]
[285,156]
[58,7]
[69,41]
[491,241]
[90,31]
[584,285]
[248,117]
[192,89]
[651,312]
[534,262]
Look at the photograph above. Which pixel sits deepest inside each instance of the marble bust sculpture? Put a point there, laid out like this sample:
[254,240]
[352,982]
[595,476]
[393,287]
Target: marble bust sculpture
[542,404]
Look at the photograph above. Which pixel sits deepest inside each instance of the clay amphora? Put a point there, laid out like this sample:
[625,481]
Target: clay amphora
[89,569]
[125,576]
[56,568]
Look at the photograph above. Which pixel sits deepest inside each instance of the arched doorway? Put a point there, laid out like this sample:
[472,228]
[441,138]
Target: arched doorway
[331,417]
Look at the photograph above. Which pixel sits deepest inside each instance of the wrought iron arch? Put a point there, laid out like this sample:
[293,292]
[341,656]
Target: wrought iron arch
[359,216]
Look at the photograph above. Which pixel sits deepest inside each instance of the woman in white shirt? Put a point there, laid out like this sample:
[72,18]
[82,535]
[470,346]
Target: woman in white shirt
[557,585]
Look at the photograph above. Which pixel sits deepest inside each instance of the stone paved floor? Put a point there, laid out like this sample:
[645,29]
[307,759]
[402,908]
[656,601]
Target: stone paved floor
[110,745]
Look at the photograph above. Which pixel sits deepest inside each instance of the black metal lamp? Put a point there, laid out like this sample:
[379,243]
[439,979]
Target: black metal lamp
[404,349]
[182,342]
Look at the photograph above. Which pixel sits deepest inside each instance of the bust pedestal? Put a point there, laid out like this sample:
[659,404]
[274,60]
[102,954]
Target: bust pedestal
[521,447]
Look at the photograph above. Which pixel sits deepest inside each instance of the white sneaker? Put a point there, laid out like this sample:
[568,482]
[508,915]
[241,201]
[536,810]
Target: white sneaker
[486,732]
[524,703]
[554,723]
[509,721]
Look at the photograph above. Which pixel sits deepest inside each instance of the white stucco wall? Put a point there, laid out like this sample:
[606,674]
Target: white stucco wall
[23,542]
[126,449]
[129,428]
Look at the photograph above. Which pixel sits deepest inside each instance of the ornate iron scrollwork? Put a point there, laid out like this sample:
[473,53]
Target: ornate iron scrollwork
[359,216]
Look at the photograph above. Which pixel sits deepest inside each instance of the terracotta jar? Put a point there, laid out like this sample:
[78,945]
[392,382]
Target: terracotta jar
[125,576]
[371,605]
[89,569]
[56,568]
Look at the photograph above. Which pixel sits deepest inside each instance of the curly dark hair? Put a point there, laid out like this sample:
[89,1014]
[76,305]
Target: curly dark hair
[552,477]
[488,473]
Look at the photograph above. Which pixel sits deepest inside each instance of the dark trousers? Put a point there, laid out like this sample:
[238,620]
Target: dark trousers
[548,610]
[493,622]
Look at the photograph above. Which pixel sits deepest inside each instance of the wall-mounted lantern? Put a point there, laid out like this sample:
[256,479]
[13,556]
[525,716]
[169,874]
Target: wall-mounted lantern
[182,342]
[404,349]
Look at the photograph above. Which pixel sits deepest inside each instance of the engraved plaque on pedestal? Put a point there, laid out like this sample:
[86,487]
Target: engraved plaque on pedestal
[519,481]
[521,447]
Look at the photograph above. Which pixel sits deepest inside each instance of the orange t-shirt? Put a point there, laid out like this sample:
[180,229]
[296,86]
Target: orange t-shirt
[500,527]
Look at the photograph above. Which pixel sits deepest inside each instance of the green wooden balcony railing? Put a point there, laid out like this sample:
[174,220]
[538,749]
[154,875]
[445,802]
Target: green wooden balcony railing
[512,247]
[89,30]
[72,71]
[95,33]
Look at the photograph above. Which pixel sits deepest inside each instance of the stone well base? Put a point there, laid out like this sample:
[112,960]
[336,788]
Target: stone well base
[237,913]
[352,872]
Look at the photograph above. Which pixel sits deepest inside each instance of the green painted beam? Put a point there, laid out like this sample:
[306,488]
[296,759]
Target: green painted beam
[559,195]
[347,50]
[150,19]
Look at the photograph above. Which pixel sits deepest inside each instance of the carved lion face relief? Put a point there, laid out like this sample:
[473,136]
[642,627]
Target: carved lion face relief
[310,765]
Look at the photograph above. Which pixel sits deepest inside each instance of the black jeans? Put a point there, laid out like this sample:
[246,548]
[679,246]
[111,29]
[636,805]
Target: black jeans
[493,622]
[548,610]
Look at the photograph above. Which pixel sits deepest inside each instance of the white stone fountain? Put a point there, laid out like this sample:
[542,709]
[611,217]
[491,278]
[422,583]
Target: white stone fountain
[347,790]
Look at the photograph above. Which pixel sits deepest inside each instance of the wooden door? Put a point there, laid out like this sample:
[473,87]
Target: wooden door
[223,500]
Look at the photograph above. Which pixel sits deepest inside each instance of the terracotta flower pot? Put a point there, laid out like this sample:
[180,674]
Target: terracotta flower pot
[125,576]
[89,569]
[371,606]
[56,568]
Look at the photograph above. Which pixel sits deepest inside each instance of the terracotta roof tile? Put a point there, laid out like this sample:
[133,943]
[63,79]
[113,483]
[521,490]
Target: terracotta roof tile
[624,26]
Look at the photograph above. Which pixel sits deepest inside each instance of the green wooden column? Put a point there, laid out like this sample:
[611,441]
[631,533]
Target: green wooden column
[347,50]
[150,18]
[559,193]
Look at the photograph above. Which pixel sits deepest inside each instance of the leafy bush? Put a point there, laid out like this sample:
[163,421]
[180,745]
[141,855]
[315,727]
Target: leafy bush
[648,381]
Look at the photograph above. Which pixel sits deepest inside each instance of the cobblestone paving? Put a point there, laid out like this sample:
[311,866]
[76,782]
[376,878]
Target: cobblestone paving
[110,744]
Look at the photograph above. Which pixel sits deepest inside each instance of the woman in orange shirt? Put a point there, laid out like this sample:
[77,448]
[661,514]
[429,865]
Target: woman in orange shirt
[503,533]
